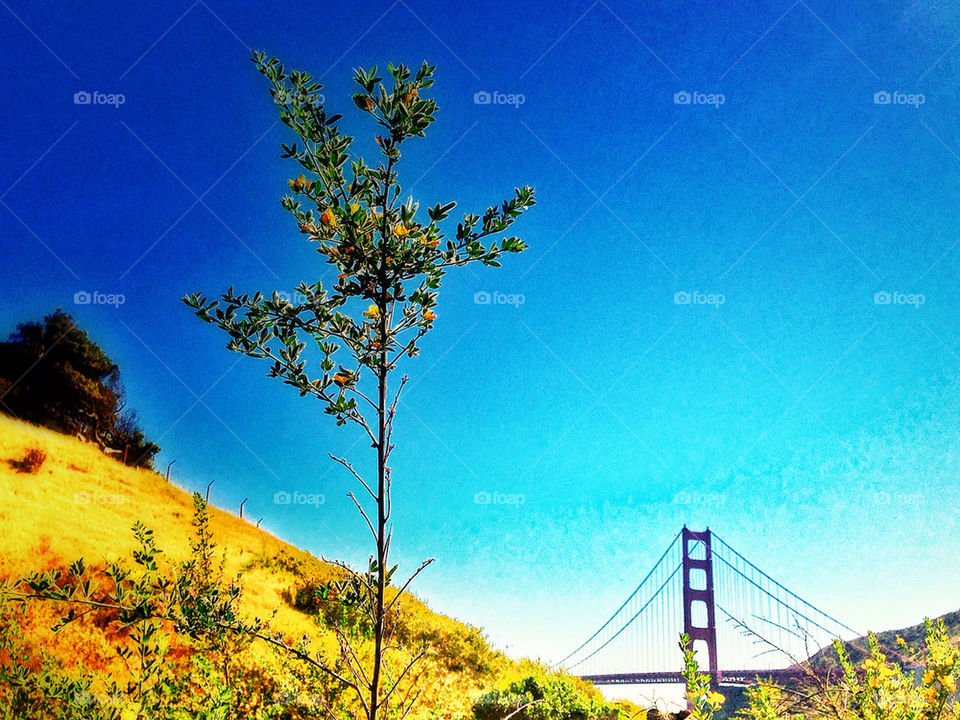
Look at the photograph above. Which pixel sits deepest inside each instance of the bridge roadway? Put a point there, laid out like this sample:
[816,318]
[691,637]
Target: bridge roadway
[725,677]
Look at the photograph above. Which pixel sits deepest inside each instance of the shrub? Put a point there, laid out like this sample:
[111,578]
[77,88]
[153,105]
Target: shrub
[543,697]
[52,374]
[30,463]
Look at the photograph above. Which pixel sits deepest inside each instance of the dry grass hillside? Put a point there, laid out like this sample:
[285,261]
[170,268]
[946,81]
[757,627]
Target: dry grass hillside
[80,503]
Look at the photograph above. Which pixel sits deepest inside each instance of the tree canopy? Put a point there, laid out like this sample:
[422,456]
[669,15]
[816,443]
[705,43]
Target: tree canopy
[53,374]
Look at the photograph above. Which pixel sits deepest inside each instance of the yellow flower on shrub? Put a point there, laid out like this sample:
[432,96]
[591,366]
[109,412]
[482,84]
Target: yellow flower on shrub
[300,183]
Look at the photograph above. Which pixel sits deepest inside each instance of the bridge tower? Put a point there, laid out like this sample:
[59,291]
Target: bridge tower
[700,592]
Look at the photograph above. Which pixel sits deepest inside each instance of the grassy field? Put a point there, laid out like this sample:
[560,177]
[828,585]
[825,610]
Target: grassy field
[81,503]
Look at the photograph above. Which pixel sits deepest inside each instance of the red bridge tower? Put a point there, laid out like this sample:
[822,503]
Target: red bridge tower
[700,591]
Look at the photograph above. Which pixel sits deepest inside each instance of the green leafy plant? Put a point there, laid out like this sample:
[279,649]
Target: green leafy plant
[390,258]
[543,697]
[765,701]
[148,608]
[878,689]
[702,700]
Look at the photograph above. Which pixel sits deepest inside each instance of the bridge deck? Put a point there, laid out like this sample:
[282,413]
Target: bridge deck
[726,676]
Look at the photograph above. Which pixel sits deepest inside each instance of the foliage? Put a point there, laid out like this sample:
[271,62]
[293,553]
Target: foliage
[149,611]
[922,688]
[880,690]
[54,375]
[30,463]
[390,261]
[766,701]
[543,696]
[915,638]
[703,701]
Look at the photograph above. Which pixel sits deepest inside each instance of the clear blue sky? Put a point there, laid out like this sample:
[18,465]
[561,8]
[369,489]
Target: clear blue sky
[814,428]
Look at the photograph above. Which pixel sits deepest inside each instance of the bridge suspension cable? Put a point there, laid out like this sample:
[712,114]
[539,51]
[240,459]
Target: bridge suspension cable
[625,603]
[638,642]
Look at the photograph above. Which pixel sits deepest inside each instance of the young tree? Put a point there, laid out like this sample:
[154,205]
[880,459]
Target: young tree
[390,261]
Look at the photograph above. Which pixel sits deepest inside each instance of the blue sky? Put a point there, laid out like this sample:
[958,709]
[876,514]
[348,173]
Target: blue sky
[787,405]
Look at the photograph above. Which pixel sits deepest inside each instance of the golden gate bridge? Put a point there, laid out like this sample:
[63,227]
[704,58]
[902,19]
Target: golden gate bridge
[742,621]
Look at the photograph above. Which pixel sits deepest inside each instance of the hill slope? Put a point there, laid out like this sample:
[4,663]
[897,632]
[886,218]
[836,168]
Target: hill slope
[914,636]
[81,503]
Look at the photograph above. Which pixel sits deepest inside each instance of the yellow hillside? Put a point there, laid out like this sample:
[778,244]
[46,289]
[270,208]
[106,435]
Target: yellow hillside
[81,503]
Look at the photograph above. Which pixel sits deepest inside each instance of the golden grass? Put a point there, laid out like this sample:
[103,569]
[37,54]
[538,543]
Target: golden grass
[82,503]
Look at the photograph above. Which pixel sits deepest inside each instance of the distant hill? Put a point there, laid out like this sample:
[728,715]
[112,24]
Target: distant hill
[81,503]
[826,658]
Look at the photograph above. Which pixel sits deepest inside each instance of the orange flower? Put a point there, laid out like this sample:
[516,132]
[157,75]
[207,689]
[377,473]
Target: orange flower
[410,96]
[401,230]
[328,218]
[429,315]
[341,379]
[431,243]
[372,312]
[308,228]
[364,102]
[300,183]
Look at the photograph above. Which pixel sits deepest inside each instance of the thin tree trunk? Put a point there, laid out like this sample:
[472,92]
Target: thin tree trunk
[379,620]
[382,450]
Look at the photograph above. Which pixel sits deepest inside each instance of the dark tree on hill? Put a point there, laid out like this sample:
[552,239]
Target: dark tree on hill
[52,374]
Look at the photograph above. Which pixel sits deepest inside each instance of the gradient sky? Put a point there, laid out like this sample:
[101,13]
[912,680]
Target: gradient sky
[813,428]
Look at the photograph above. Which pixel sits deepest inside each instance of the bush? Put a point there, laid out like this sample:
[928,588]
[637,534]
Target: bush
[30,463]
[52,374]
[543,697]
